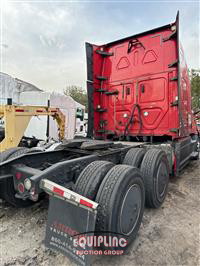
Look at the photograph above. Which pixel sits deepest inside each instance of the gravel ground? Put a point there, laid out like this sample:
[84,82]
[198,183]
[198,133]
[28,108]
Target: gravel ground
[168,236]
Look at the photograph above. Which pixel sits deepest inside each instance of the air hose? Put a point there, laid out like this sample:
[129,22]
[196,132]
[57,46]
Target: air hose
[131,120]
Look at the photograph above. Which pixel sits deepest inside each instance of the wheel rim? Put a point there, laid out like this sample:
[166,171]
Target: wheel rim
[130,209]
[161,181]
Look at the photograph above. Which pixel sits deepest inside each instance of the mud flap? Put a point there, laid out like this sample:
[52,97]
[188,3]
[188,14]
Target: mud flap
[68,221]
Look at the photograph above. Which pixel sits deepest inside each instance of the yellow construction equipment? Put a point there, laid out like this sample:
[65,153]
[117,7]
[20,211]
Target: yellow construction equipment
[17,118]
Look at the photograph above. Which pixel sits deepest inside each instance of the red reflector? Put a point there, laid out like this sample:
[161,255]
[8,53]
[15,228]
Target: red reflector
[39,111]
[18,175]
[19,110]
[86,203]
[21,188]
[58,191]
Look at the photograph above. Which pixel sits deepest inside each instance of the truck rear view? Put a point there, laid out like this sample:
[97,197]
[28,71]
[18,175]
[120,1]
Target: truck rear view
[139,87]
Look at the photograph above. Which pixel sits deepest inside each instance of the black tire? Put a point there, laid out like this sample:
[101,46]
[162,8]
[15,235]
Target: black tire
[12,153]
[7,187]
[9,195]
[34,149]
[155,170]
[134,157]
[59,147]
[121,198]
[4,156]
[19,153]
[91,177]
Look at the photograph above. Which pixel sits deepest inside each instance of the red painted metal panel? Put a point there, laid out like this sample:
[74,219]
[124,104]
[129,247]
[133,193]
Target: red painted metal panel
[145,74]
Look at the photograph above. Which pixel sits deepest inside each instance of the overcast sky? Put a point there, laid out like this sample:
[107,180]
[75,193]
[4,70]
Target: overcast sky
[43,42]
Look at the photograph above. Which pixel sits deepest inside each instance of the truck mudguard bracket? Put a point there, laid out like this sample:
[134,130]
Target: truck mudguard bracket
[183,152]
[70,216]
[66,194]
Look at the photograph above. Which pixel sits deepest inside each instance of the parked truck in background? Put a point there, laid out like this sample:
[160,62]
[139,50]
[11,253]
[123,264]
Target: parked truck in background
[141,130]
[81,123]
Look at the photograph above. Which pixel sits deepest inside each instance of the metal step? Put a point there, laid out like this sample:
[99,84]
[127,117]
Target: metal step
[101,77]
[102,123]
[101,90]
[101,110]
[103,53]
[173,64]
[173,78]
[175,103]
[112,93]
[101,131]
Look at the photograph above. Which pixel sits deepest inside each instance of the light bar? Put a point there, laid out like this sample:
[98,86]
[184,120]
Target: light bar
[65,193]
[20,110]
[86,203]
[40,111]
[58,191]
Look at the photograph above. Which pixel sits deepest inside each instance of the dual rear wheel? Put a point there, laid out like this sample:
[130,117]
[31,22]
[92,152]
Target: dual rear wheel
[119,190]
[123,190]
[154,167]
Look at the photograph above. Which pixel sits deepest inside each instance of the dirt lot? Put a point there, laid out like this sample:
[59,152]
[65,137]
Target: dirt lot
[168,236]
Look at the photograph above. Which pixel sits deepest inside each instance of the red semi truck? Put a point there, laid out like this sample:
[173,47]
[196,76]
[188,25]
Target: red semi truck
[141,130]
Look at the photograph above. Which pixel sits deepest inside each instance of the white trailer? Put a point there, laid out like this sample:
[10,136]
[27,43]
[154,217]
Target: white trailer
[38,126]
[42,127]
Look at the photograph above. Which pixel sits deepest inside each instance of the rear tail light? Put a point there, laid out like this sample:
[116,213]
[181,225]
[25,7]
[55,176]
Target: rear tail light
[20,110]
[18,175]
[21,188]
